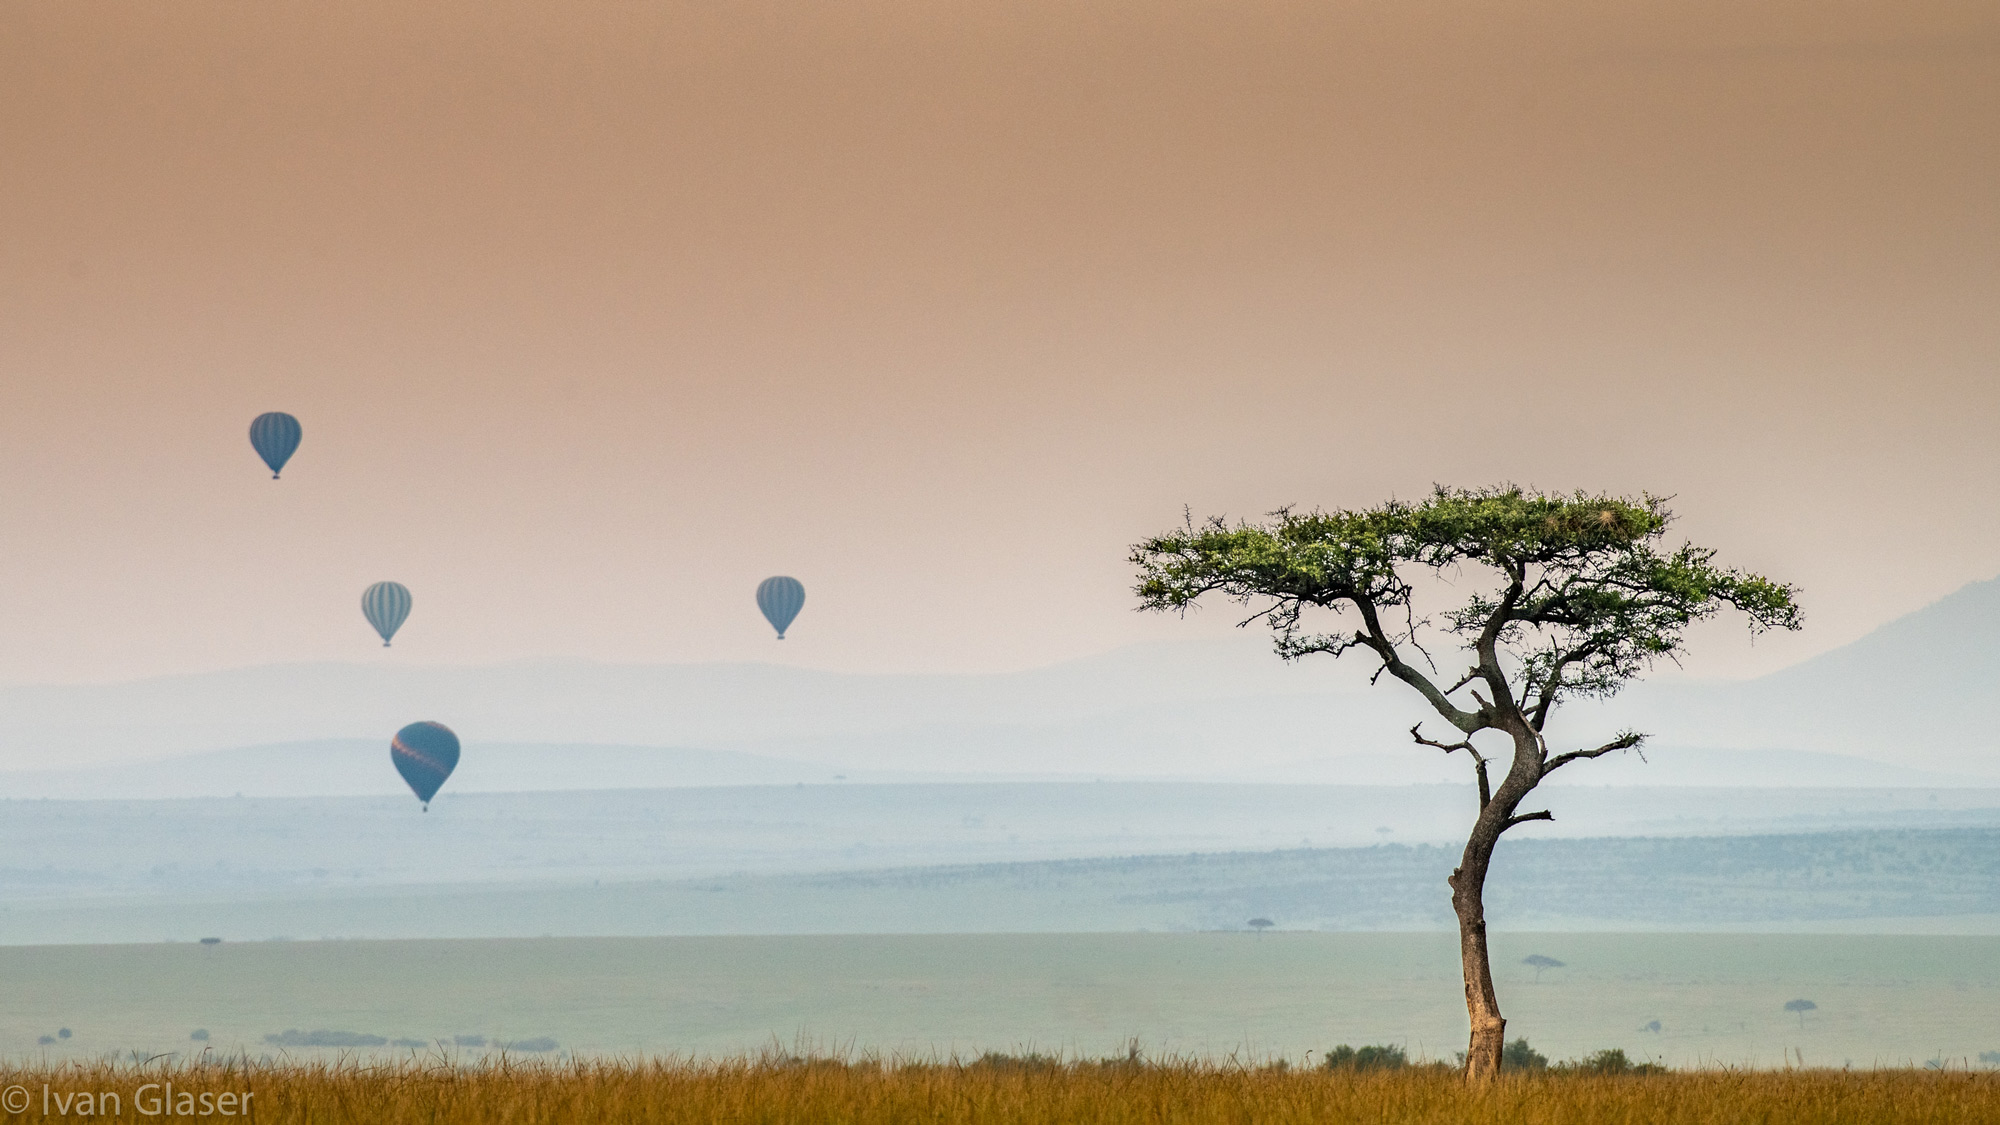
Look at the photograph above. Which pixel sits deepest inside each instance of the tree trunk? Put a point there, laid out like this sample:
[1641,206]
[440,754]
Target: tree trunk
[1468,901]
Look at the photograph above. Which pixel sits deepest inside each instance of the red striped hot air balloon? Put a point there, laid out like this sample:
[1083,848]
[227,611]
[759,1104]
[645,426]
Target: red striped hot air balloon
[425,754]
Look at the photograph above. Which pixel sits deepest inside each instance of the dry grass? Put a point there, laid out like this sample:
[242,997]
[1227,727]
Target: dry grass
[790,1090]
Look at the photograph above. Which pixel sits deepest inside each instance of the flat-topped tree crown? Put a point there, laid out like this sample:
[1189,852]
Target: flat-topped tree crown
[1581,597]
[1569,595]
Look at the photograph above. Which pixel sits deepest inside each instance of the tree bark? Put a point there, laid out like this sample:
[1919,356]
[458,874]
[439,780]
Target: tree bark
[1482,1004]
[1468,901]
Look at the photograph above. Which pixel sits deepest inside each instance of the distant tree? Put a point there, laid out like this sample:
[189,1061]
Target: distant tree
[62,1033]
[1519,1056]
[45,1040]
[1538,962]
[1801,1007]
[1380,1057]
[199,1035]
[1578,599]
[1653,1027]
[1260,924]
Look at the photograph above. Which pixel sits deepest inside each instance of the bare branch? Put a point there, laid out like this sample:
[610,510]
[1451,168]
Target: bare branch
[1478,762]
[1410,634]
[1525,817]
[1447,748]
[1627,741]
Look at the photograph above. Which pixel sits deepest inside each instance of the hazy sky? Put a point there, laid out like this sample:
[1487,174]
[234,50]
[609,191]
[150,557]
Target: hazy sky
[597,313]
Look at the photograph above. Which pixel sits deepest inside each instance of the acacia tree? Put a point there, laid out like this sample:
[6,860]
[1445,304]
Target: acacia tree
[1577,596]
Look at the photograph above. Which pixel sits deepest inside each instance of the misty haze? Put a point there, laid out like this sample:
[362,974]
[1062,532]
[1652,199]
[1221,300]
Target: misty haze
[1021,551]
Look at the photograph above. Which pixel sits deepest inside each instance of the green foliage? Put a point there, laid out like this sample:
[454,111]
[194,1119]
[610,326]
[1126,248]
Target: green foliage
[1382,1057]
[1581,597]
[293,1037]
[1031,1060]
[1519,1056]
[1610,1061]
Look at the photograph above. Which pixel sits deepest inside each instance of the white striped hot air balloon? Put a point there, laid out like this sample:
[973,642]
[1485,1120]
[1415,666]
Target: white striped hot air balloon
[386,604]
[275,437]
[780,598]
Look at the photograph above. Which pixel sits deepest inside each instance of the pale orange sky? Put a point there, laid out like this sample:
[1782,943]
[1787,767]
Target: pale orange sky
[597,313]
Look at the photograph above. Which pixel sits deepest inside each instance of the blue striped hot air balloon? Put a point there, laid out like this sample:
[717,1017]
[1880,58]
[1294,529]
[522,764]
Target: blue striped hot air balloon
[425,754]
[386,604]
[781,599]
[275,437]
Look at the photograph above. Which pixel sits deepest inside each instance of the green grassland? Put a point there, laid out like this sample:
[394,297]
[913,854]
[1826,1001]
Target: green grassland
[1887,1000]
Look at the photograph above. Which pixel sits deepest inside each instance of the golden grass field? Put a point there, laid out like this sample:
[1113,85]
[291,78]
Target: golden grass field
[858,1093]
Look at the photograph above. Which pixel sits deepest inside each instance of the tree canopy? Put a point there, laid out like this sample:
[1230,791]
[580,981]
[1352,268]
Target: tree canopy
[1582,595]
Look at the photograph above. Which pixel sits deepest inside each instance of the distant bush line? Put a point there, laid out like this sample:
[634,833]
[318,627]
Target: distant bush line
[1516,1056]
[293,1037]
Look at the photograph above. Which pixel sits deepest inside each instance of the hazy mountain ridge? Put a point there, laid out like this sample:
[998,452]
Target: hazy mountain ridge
[1903,705]
[1917,691]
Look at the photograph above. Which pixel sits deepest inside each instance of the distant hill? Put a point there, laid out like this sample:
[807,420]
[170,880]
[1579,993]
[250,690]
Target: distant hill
[1905,705]
[1919,691]
[1179,698]
[360,768]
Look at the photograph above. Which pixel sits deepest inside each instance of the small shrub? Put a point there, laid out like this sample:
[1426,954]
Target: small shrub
[199,1035]
[1610,1061]
[1378,1057]
[63,1033]
[1033,1060]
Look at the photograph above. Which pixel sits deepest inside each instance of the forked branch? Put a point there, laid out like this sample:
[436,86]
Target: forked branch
[1478,760]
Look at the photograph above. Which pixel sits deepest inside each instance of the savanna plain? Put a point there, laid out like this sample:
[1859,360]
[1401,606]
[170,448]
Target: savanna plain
[968,1027]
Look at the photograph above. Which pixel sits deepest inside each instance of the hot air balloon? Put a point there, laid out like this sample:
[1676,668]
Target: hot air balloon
[780,598]
[425,754]
[386,604]
[275,437]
